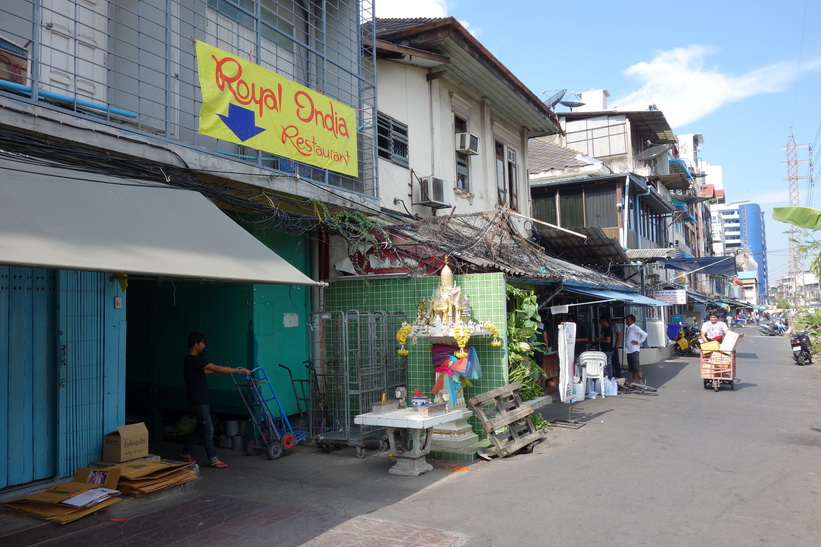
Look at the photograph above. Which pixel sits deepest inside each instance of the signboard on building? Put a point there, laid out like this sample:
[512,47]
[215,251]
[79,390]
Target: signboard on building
[249,105]
[678,296]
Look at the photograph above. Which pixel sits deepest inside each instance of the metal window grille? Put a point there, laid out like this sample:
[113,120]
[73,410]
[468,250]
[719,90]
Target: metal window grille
[133,65]
[392,140]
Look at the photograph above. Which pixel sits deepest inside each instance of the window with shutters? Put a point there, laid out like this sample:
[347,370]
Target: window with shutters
[392,139]
[462,160]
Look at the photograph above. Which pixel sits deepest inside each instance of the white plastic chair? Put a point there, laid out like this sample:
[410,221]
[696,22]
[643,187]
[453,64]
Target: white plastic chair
[594,364]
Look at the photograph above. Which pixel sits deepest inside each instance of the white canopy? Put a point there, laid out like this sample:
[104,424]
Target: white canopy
[52,217]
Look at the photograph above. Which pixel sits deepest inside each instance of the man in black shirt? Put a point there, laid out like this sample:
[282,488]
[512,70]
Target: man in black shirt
[195,367]
[605,341]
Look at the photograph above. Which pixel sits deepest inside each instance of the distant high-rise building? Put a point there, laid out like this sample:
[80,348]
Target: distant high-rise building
[739,228]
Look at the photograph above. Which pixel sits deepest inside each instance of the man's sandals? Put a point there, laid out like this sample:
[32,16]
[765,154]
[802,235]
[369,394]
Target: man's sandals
[218,465]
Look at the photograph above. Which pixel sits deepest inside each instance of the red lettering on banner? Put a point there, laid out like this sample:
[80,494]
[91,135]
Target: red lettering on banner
[309,147]
[228,72]
[309,113]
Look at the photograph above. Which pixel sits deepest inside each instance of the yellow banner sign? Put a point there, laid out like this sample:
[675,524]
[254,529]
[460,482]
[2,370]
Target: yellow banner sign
[246,104]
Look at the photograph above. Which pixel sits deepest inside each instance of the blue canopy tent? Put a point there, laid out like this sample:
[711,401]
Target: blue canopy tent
[713,265]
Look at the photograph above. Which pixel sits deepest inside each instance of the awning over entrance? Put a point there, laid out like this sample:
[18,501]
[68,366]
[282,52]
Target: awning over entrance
[697,297]
[51,217]
[629,298]
[714,265]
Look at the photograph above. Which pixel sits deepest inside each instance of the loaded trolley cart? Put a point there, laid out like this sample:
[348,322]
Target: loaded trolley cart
[718,367]
[272,429]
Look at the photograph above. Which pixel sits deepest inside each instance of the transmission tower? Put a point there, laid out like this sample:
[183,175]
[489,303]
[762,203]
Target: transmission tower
[796,233]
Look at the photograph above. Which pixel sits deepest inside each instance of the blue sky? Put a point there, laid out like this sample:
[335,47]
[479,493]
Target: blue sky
[743,74]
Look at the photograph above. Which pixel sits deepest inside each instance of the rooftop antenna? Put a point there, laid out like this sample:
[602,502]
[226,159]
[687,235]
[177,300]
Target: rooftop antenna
[554,99]
[573,101]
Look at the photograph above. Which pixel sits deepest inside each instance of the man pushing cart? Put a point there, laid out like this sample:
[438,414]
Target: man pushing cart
[718,362]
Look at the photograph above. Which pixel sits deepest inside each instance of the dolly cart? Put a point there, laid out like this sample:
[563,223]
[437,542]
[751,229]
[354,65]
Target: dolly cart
[272,430]
[718,367]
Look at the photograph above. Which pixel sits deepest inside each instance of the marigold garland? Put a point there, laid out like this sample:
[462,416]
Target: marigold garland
[402,337]
[495,333]
[462,336]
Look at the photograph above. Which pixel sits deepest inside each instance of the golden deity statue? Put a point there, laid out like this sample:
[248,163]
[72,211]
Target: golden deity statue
[445,304]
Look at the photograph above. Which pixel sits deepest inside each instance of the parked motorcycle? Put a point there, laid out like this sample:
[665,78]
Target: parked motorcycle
[801,348]
[688,341]
[771,329]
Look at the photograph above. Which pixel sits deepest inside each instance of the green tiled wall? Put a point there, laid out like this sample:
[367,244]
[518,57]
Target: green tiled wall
[487,295]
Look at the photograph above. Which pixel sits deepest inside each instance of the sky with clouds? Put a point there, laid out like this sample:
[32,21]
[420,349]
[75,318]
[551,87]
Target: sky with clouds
[742,76]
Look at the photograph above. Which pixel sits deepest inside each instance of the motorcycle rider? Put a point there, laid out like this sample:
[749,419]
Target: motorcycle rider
[714,329]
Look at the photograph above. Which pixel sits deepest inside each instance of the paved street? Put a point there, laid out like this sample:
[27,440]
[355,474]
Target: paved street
[685,466]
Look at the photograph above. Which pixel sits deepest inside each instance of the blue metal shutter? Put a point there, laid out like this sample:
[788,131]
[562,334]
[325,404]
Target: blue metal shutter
[28,439]
[91,366]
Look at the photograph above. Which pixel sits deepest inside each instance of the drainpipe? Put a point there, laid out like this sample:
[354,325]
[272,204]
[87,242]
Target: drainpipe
[625,201]
[636,215]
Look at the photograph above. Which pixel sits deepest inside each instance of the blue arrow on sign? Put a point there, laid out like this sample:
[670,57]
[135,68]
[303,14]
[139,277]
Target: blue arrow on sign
[241,122]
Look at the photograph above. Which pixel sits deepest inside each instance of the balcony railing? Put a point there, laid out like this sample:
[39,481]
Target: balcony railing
[133,64]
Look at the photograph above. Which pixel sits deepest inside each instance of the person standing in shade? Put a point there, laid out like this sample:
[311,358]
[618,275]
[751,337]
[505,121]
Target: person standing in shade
[195,367]
[616,345]
[605,341]
[634,337]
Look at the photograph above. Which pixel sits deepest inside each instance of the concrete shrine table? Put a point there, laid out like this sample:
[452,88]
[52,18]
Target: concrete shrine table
[410,456]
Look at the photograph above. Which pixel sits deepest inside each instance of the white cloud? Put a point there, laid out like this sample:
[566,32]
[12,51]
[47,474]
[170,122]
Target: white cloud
[678,83]
[410,9]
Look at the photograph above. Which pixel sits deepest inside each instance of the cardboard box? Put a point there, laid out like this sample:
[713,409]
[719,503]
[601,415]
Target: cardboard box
[710,346]
[129,442]
[730,341]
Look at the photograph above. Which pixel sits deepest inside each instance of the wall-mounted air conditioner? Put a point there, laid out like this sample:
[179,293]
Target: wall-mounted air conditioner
[467,143]
[433,192]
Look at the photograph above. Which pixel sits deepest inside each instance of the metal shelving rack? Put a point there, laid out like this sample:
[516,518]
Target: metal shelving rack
[354,364]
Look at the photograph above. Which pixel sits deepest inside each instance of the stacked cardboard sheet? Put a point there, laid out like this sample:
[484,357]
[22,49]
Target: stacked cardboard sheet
[145,477]
[89,491]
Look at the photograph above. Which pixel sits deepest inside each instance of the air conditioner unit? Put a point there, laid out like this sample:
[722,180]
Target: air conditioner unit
[467,143]
[433,192]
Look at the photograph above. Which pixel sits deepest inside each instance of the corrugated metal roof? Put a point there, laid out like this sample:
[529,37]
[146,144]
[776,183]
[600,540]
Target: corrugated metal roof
[597,249]
[490,241]
[651,125]
[545,156]
[644,254]
[473,65]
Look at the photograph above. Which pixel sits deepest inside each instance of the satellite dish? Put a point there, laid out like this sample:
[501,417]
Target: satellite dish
[554,99]
[574,101]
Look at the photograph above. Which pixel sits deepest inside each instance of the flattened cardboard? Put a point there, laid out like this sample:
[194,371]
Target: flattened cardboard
[129,442]
[141,469]
[84,479]
[50,504]
[57,513]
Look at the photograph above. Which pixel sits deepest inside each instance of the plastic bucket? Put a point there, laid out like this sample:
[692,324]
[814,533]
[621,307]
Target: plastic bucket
[232,428]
